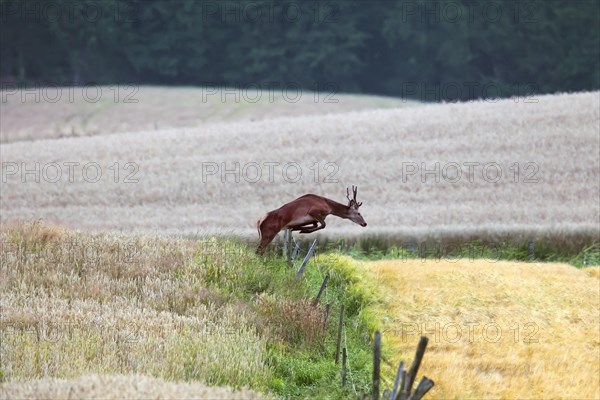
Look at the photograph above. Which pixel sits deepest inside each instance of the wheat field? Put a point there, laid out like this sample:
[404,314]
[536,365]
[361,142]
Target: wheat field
[508,330]
[48,112]
[81,311]
[504,167]
[115,387]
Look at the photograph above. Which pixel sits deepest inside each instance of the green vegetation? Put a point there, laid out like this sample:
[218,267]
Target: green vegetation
[300,352]
[584,254]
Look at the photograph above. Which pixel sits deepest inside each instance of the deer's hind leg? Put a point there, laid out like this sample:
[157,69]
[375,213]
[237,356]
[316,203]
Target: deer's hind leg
[269,228]
[265,239]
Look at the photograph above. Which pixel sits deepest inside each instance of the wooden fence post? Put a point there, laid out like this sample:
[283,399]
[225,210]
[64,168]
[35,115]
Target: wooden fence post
[404,380]
[344,366]
[401,395]
[339,335]
[414,368]
[376,365]
[422,388]
[323,285]
[531,250]
[289,249]
[397,380]
[285,239]
[305,261]
[296,248]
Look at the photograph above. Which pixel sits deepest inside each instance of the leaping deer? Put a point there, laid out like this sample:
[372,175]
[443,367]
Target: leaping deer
[305,214]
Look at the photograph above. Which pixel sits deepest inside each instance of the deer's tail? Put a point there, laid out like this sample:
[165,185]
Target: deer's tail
[258,224]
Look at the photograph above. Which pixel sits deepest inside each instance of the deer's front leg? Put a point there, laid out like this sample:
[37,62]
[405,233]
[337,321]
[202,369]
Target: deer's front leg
[315,227]
[305,226]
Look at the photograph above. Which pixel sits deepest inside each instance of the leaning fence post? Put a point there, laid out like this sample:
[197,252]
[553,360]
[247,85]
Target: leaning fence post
[401,395]
[376,364]
[397,380]
[412,372]
[339,335]
[296,248]
[344,366]
[323,285]
[305,261]
[422,388]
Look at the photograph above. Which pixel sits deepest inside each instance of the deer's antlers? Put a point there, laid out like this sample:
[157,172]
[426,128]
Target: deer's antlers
[353,200]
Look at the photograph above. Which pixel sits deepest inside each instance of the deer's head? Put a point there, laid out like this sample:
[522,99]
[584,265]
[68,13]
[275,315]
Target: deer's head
[353,205]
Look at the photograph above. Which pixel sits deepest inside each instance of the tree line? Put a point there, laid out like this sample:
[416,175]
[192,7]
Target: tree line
[422,49]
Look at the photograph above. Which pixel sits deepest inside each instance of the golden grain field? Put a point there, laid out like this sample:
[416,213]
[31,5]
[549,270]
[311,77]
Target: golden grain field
[221,178]
[508,330]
